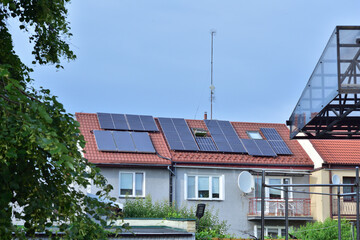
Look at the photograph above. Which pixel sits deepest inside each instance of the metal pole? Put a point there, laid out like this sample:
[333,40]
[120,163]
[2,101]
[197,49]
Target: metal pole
[286,212]
[339,216]
[262,205]
[357,205]
[212,87]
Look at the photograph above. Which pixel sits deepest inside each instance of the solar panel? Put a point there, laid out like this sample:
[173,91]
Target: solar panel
[120,122]
[124,141]
[105,140]
[185,135]
[232,137]
[280,147]
[134,122]
[265,148]
[148,123]
[218,136]
[142,142]
[177,134]
[105,120]
[271,134]
[275,141]
[206,144]
[251,147]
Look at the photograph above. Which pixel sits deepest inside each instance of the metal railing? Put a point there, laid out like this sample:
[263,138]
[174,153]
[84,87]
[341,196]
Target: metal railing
[298,207]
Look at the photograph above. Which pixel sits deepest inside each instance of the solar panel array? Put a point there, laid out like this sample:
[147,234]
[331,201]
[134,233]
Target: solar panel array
[225,136]
[127,122]
[276,141]
[206,144]
[177,134]
[115,141]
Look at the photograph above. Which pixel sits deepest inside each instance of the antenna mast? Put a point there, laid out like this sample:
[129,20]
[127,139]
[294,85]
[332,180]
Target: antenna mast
[212,87]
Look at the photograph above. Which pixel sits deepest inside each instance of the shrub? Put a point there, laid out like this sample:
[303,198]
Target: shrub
[327,230]
[208,226]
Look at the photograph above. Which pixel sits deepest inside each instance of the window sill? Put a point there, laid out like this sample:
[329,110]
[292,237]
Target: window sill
[204,199]
[131,197]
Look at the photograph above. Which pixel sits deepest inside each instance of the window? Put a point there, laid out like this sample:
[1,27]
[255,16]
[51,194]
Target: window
[254,135]
[204,187]
[132,184]
[271,193]
[351,189]
[273,231]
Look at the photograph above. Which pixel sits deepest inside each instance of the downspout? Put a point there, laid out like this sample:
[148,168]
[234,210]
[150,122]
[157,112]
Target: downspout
[171,174]
[331,199]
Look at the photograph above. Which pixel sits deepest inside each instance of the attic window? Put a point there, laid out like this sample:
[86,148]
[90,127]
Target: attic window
[254,135]
[199,132]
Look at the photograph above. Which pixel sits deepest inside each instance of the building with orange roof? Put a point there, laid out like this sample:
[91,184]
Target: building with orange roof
[199,161]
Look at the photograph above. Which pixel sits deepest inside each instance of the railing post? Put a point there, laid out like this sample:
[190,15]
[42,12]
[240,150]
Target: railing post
[262,205]
[357,205]
[339,216]
[286,211]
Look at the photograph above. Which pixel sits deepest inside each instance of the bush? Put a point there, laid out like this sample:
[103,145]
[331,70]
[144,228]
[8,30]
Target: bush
[327,230]
[208,226]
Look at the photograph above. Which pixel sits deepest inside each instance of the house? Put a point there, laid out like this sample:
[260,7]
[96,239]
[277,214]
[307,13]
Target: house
[334,157]
[199,161]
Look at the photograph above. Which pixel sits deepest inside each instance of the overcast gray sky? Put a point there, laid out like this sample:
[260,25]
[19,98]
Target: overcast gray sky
[153,57]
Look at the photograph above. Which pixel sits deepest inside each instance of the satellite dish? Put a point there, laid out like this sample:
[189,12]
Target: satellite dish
[335,179]
[246,182]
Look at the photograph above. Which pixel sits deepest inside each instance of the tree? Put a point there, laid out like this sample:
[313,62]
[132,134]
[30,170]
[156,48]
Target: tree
[41,167]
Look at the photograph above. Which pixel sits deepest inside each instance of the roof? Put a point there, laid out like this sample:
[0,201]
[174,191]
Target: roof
[299,159]
[339,152]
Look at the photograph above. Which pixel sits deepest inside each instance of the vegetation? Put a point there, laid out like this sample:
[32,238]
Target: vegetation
[327,230]
[209,225]
[41,168]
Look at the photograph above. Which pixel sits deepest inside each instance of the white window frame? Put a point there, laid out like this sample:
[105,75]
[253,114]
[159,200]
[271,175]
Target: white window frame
[251,137]
[256,227]
[133,187]
[267,190]
[221,187]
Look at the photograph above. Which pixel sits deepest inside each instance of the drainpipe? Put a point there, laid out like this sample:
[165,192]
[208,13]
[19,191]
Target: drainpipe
[171,174]
[331,199]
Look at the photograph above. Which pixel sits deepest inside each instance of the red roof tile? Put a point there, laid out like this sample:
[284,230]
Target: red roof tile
[343,152]
[89,122]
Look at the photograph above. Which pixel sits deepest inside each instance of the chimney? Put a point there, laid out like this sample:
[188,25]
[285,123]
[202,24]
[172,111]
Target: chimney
[205,115]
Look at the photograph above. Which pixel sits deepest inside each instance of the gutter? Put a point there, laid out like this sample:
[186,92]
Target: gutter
[247,164]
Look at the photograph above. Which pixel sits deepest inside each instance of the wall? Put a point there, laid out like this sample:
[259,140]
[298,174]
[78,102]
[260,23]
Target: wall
[234,208]
[156,182]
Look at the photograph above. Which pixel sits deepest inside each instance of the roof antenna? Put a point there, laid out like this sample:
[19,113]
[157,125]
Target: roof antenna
[212,87]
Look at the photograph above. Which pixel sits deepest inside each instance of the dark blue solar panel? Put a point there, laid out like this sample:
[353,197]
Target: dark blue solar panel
[185,135]
[265,148]
[105,121]
[276,142]
[218,136]
[124,142]
[280,147]
[134,122]
[232,137]
[105,140]
[251,147]
[171,134]
[120,122]
[149,123]
[271,134]
[206,144]
[142,142]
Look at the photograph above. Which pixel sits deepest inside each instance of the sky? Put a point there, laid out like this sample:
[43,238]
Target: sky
[152,57]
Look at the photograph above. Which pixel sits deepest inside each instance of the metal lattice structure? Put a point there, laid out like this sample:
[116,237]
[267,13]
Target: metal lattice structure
[329,107]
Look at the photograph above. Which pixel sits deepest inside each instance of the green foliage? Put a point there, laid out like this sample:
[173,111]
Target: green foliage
[208,226]
[327,230]
[41,168]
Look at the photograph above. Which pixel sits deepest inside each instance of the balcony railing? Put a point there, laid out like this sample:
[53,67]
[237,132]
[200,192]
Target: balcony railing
[298,207]
[347,208]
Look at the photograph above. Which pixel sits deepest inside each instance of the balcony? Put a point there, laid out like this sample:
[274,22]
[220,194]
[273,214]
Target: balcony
[347,208]
[299,209]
